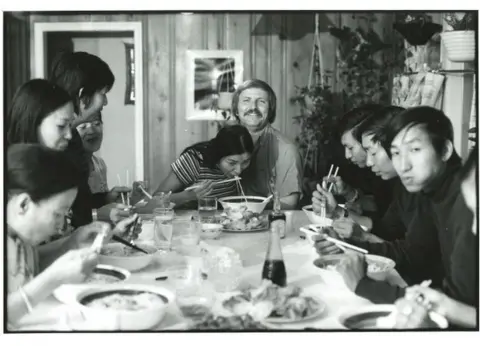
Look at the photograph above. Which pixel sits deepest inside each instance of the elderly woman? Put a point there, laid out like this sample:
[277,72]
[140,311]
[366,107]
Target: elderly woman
[41,186]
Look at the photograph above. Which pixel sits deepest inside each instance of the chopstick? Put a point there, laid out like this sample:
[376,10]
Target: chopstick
[120,184]
[145,192]
[124,242]
[334,175]
[215,182]
[347,245]
[128,184]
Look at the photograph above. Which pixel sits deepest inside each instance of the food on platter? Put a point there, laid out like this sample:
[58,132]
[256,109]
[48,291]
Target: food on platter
[242,219]
[102,279]
[229,323]
[129,302]
[270,301]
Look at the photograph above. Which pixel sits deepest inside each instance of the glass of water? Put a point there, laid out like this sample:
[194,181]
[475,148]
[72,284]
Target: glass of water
[163,228]
[186,235]
[207,208]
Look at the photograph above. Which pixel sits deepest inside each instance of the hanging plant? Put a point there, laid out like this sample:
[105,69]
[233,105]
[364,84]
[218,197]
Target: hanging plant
[364,79]
[417,30]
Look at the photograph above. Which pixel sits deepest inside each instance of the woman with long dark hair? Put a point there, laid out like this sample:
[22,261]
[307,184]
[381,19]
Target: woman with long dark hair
[206,164]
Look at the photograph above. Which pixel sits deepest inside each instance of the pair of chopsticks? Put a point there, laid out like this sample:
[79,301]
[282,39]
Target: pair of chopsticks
[127,184]
[340,244]
[215,182]
[129,244]
[334,175]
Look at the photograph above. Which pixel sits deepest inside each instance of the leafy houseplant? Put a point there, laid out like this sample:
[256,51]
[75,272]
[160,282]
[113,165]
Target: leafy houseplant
[460,41]
[364,71]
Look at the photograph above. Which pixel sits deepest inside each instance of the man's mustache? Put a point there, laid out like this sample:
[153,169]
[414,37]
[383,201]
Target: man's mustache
[254,112]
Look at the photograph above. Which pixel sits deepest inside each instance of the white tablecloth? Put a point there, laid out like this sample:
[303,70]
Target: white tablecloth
[298,255]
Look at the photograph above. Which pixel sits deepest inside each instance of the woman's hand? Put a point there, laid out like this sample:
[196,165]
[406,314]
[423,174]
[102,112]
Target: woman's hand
[347,228]
[321,197]
[85,235]
[204,189]
[128,228]
[113,212]
[74,266]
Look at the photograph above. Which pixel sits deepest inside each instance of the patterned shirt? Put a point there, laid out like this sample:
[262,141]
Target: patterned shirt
[189,170]
[22,262]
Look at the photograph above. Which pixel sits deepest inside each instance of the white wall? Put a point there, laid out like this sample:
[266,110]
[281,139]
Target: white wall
[118,147]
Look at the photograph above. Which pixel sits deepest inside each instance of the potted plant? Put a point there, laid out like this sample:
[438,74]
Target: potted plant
[460,41]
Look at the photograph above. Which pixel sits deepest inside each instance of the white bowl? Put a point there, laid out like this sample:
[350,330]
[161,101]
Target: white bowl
[211,230]
[386,265]
[316,219]
[63,292]
[255,204]
[112,319]
[131,263]
[366,317]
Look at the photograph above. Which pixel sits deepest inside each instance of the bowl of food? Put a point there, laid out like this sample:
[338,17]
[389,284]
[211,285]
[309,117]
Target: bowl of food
[254,204]
[102,275]
[211,230]
[123,306]
[315,218]
[381,317]
[378,267]
[119,255]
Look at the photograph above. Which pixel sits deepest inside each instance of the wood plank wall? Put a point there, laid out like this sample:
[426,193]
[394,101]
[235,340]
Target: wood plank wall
[167,37]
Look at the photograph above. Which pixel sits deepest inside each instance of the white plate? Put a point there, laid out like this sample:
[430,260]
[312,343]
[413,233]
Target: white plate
[262,227]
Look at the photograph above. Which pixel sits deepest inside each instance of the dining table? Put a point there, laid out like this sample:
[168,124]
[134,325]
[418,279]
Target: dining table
[298,254]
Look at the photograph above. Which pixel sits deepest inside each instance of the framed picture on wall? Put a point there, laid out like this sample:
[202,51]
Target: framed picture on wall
[212,77]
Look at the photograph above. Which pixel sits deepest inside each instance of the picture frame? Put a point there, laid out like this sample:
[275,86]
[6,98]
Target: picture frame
[212,77]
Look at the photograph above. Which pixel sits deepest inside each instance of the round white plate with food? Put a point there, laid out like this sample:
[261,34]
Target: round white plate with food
[274,305]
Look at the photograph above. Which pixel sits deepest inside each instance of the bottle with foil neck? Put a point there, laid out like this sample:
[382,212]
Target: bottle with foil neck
[274,266]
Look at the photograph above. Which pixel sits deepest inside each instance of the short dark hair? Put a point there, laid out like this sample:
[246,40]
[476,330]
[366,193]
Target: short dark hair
[76,70]
[39,171]
[376,124]
[256,83]
[32,103]
[230,140]
[437,125]
[354,117]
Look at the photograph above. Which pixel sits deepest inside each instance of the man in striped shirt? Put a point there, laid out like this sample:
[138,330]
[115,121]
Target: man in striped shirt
[275,158]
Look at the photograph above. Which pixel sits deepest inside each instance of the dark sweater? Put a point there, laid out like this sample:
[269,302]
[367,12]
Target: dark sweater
[85,200]
[395,221]
[426,251]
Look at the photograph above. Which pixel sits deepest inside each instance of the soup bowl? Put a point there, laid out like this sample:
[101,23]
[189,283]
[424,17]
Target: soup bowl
[379,267]
[316,219]
[376,317]
[255,204]
[102,275]
[119,255]
[122,306]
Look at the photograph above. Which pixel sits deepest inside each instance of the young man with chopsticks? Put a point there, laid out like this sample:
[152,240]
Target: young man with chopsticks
[421,146]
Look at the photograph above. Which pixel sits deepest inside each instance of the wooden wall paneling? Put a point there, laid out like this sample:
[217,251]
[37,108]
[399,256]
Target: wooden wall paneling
[189,35]
[260,53]
[160,111]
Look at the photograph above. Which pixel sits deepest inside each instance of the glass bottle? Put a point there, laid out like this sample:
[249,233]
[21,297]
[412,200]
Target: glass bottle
[274,266]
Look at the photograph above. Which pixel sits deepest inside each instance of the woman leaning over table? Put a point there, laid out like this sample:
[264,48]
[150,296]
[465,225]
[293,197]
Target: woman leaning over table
[207,164]
[41,186]
[413,313]
[43,113]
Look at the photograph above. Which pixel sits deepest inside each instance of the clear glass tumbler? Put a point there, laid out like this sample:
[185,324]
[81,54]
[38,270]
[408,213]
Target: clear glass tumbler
[163,228]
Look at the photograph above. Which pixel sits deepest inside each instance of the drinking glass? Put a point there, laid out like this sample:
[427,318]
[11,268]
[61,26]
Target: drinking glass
[224,269]
[207,208]
[163,228]
[186,235]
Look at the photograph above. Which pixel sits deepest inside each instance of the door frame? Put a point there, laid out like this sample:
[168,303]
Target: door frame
[40,28]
